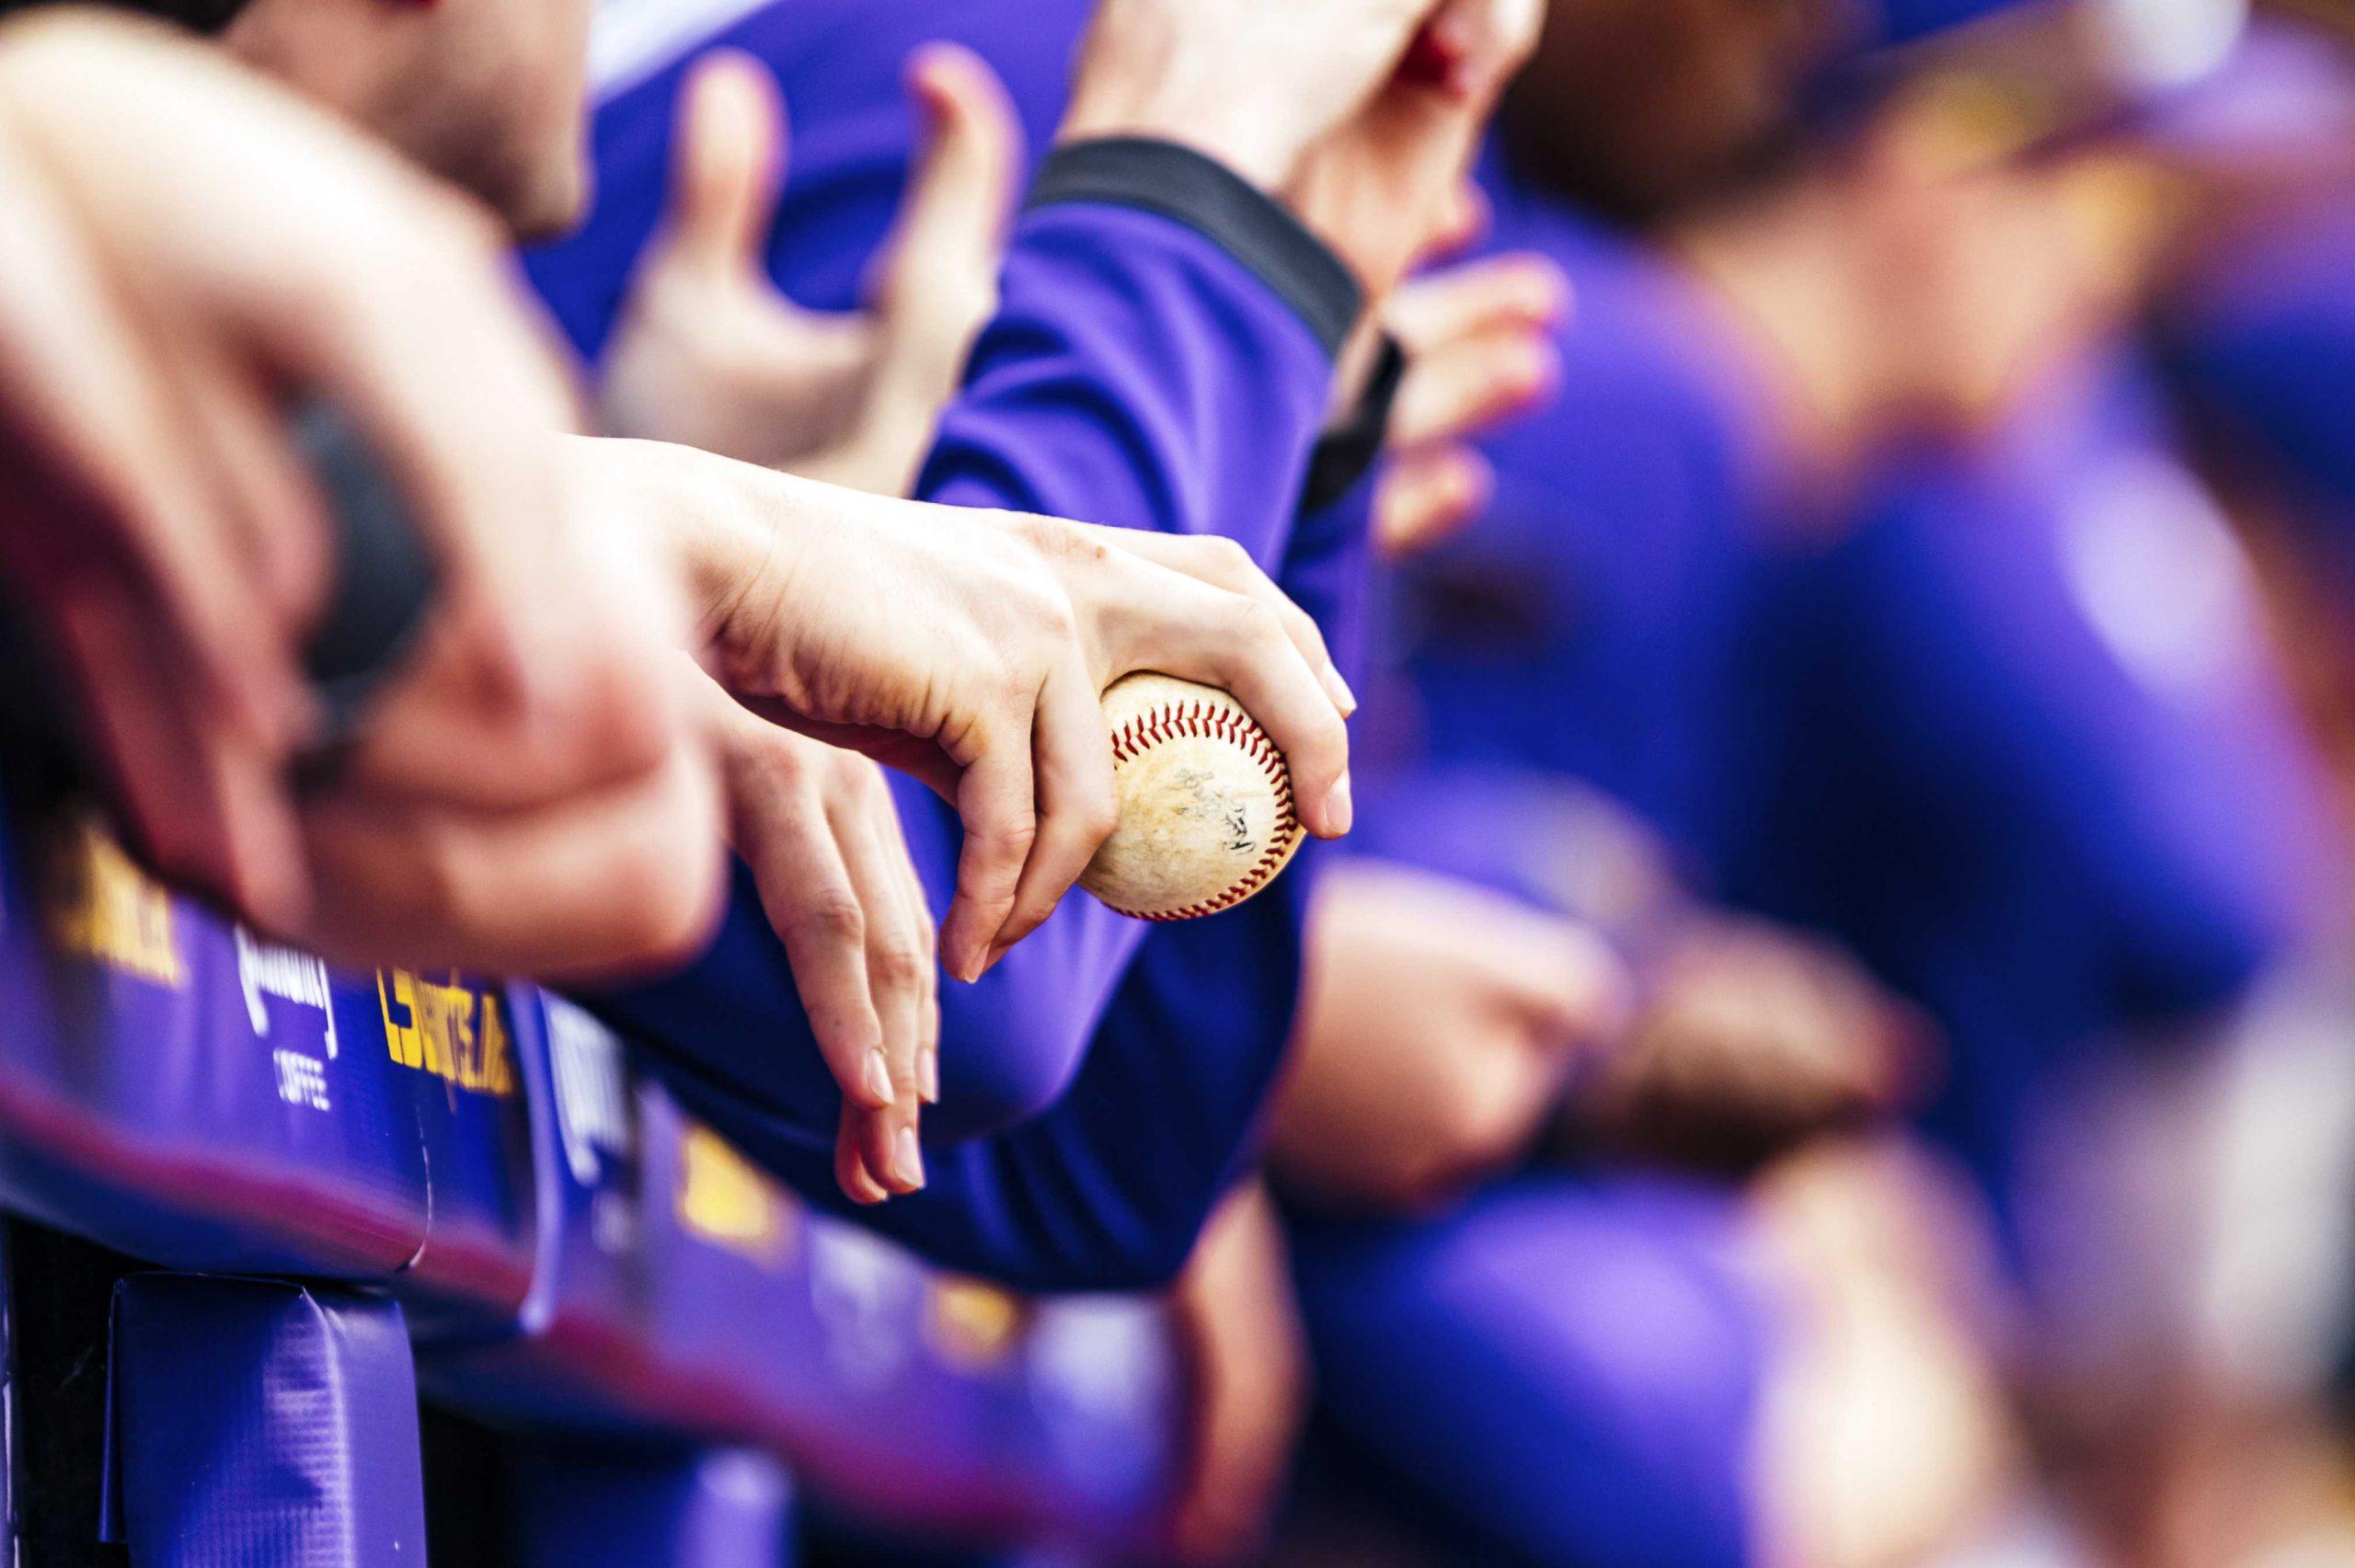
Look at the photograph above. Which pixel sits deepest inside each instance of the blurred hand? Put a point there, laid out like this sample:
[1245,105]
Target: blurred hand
[1252,84]
[1480,341]
[1384,186]
[817,826]
[612,880]
[1247,1358]
[971,649]
[1886,1434]
[710,354]
[188,254]
[1439,1022]
[1752,1041]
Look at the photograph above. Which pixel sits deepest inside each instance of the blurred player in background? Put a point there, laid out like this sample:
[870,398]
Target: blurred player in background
[1868,394]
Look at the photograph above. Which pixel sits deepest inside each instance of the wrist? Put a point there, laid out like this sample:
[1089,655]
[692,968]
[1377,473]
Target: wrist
[699,511]
[1249,139]
[1250,225]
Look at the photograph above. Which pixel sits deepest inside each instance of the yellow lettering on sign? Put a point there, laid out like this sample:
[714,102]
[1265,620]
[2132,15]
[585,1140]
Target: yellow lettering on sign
[105,908]
[725,1200]
[431,1028]
[400,1038]
[497,1064]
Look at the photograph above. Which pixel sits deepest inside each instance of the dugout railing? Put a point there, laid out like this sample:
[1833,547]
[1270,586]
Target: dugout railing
[342,1188]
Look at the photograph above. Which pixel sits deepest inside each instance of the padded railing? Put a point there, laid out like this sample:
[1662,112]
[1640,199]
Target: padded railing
[573,1255]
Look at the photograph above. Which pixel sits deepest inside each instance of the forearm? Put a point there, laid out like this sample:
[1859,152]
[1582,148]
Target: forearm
[1136,1106]
[1162,357]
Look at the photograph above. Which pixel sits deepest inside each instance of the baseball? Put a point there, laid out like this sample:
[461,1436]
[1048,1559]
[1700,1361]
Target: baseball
[1206,811]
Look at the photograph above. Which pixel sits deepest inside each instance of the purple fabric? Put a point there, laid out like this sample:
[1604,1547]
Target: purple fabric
[1583,624]
[258,1422]
[1564,1371]
[589,1509]
[2263,349]
[2024,748]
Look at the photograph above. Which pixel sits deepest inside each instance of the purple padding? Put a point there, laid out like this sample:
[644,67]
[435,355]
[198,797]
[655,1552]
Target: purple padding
[585,1508]
[474,1273]
[681,1292]
[175,1090]
[916,1397]
[256,1422]
[574,1358]
[178,1090]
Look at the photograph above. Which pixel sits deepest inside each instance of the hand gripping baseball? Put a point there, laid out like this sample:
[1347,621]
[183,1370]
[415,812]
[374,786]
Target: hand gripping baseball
[972,649]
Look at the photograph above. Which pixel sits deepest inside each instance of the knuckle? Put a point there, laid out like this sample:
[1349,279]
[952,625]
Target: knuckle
[1011,682]
[834,916]
[1228,561]
[1254,625]
[1098,815]
[678,914]
[901,962]
[1011,839]
[1060,619]
[437,876]
[1474,1131]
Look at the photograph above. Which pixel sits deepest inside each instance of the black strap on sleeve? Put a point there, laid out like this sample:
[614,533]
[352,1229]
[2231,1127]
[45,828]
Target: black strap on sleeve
[1184,185]
[1350,449]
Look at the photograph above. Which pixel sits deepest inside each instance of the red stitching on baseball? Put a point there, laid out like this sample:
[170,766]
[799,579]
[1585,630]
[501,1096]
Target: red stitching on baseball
[1209,722]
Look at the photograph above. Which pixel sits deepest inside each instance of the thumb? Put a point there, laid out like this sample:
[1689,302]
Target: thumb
[1424,498]
[727,164]
[1471,48]
[951,228]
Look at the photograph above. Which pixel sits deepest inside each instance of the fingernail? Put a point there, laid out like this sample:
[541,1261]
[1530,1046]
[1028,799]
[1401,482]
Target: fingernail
[928,1072]
[879,1078]
[1337,688]
[1338,811]
[908,1159]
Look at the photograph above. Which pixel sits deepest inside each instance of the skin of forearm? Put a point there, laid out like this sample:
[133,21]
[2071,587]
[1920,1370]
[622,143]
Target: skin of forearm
[727,525]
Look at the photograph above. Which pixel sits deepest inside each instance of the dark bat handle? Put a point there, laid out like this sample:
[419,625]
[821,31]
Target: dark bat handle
[385,582]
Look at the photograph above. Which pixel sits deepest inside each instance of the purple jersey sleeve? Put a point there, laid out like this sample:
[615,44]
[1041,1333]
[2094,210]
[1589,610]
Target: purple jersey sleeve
[1106,1187]
[1139,374]
[1161,359]
[2030,756]
[1566,1369]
